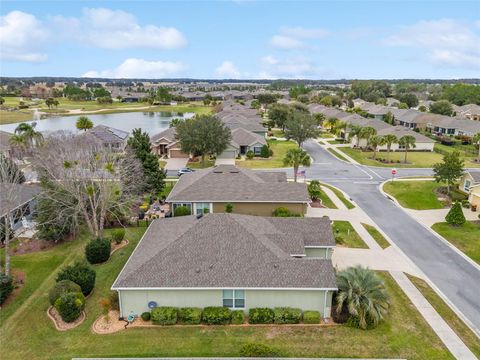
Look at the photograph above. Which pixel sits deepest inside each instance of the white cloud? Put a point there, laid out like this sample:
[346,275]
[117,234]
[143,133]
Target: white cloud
[294,37]
[227,69]
[21,37]
[117,29]
[291,67]
[140,68]
[447,42]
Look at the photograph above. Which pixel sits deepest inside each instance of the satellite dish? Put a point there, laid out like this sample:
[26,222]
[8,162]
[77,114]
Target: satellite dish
[152,304]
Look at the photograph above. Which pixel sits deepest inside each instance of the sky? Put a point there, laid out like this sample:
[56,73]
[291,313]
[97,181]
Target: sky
[241,39]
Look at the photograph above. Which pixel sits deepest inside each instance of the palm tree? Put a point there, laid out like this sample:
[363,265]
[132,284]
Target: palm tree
[366,133]
[339,126]
[476,140]
[389,140]
[331,122]
[18,142]
[355,132]
[296,157]
[30,135]
[363,294]
[408,142]
[374,142]
[84,123]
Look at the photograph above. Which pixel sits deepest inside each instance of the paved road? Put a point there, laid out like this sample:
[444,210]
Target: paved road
[458,279]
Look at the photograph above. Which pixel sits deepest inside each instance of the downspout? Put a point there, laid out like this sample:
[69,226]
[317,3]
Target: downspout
[325,305]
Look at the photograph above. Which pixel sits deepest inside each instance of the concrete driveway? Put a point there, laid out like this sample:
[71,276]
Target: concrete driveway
[229,161]
[176,163]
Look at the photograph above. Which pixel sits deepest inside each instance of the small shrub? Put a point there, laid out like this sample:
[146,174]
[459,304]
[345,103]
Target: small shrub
[6,287]
[70,306]
[259,350]
[113,296]
[118,235]
[314,190]
[264,151]
[106,305]
[145,316]
[250,154]
[81,274]
[164,315]
[455,216]
[311,317]
[216,315]
[238,317]
[182,211]
[190,315]
[261,316]
[284,212]
[287,315]
[61,287]
[98,251]
[466,204]
[228,208]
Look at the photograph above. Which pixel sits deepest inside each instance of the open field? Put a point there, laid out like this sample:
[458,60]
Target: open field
[345,235]
[466,237]
[457,325]
[417,159]
[279,148]
[418,195]
[26,331]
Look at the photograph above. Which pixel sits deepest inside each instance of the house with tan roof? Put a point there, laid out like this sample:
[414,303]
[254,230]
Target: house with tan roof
[249,192]
[231,260]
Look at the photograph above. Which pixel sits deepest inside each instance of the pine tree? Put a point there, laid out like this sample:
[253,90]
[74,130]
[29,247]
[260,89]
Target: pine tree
[455,216]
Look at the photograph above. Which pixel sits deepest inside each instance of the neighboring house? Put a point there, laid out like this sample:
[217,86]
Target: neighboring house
[474,196]
[445,125]
[469,180]
[109,137]
[469,111]
[244,141]
[250,192]
[19,200]
[165,144]
[230,260]
[422,142]
[5,147]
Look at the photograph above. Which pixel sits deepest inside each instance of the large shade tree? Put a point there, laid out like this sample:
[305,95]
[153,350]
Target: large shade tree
[449,170]
[363,294]
[278,114]
[203,135]
[301,126]
[296,157]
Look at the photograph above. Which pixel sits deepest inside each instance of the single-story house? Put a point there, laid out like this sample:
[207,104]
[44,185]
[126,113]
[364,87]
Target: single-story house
[445,125]
[109,137]
[468,111]
[166,144]
[468,180]
[244,141]
[422,142]
[235,261]
[250,192]
[18,200]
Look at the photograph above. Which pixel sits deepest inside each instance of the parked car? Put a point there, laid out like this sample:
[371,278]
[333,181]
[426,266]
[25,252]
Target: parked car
[184,171]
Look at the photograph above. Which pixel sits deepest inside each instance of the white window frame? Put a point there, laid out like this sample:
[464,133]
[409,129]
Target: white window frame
[234,291]
[196,208]
[466,185]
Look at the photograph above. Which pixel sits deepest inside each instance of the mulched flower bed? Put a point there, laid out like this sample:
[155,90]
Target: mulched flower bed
[116,246]
[61,325]
[317,204]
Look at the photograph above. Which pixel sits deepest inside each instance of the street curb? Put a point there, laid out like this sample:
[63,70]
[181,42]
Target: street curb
[467,322]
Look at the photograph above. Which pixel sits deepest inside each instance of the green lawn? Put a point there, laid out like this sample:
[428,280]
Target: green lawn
[8,117]
[377,235]
[457,325]
[345,235]
[335,142]
[414,159]
[337,154]
[418,195]
[279,148]
[469,152]
[340,195]
[326,135]
[277,133]
[198,164]
[466,237]
[30,334]
[326,201]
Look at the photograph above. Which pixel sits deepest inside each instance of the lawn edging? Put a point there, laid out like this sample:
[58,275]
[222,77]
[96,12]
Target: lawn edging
[426,278]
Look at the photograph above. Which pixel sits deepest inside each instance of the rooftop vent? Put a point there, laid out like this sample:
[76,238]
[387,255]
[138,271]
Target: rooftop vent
[197,271]
[275,266]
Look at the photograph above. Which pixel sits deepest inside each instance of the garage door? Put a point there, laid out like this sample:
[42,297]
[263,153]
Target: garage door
[178,154]
[227,154]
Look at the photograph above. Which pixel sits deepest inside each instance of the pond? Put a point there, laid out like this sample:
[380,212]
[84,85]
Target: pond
[151,122]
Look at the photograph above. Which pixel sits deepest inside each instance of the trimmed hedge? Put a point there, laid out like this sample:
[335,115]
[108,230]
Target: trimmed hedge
[259,350]
[182,211]
[118,235]
[216,315]
[98,250]
[81,274]
[61,287]
[189,316]
[6,287]
[311,317]
[287,315]
[145,316]
[164,315]
[70,306]
[238,317]
[261,316]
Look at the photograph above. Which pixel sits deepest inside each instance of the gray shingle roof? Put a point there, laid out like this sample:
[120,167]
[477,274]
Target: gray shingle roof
[108,134]
[243,137]
[21,195]
[475,175]
[229,250]
[228,183]
[168,134]
[400,131]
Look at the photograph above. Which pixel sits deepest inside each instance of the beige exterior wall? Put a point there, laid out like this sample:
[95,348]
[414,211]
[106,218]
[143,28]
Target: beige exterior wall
[461,184]
[323,253]
[259,209]
[474,196]
[419,146]
[134,302]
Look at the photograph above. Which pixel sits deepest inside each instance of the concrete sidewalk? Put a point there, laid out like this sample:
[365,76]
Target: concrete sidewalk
[453,343]
[430,217]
